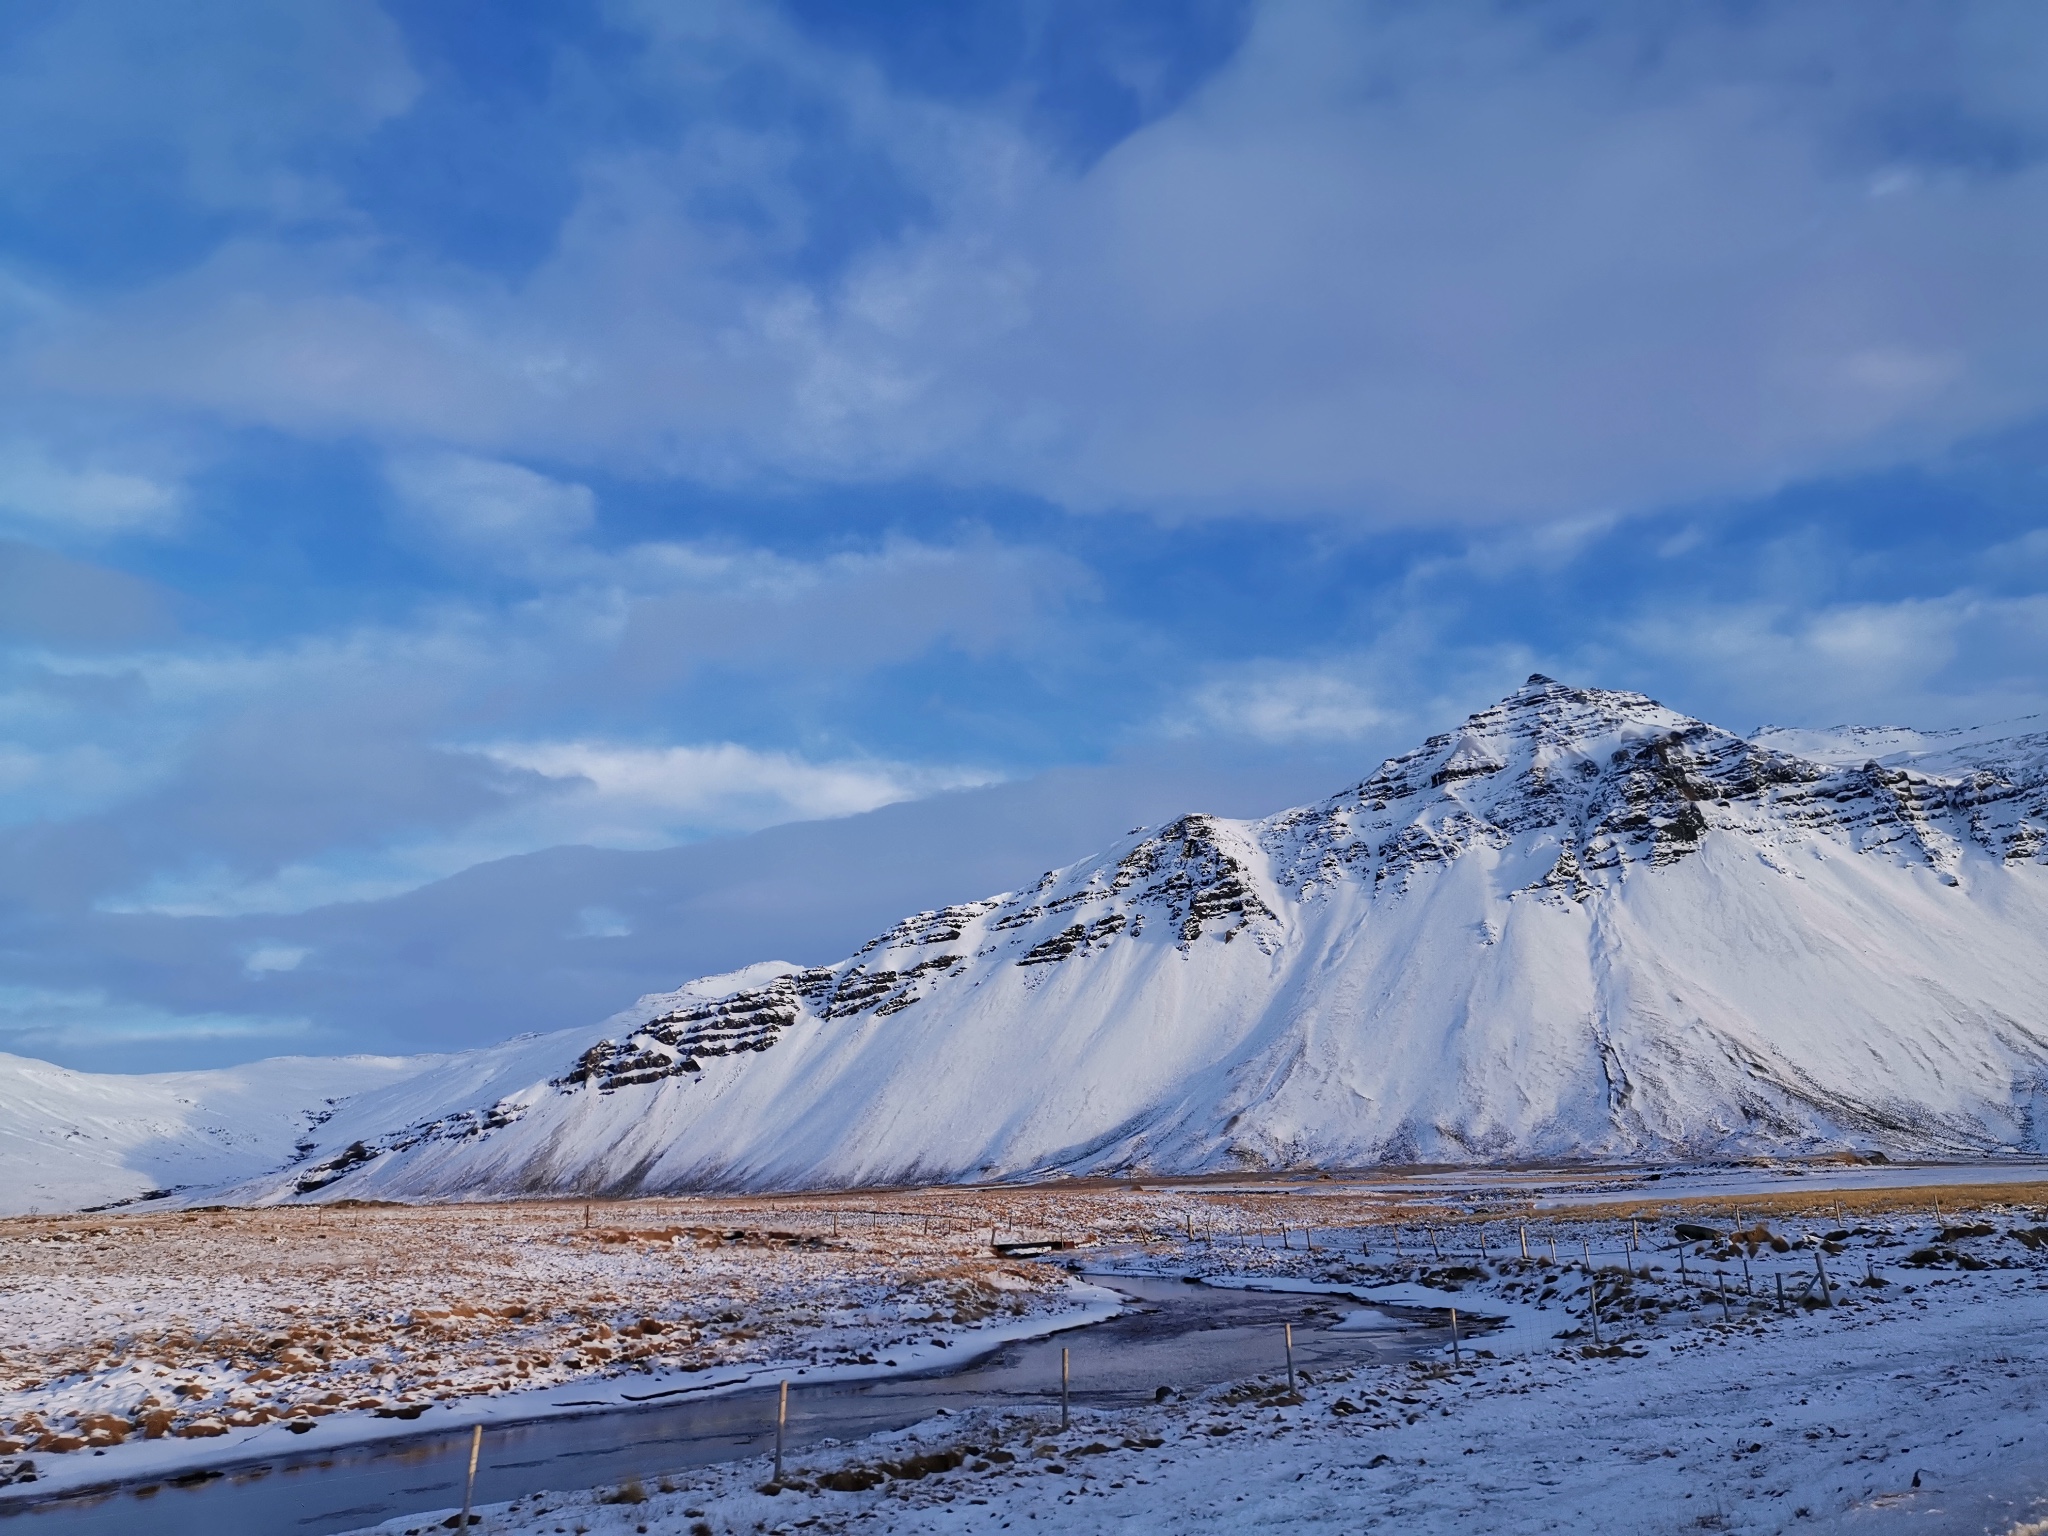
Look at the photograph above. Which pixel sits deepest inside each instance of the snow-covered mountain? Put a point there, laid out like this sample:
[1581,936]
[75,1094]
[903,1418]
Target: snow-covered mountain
[72,1140]
[1581,924]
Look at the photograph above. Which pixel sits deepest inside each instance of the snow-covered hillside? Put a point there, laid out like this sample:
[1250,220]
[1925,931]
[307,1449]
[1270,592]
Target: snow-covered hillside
[73,1140]
[1581,924]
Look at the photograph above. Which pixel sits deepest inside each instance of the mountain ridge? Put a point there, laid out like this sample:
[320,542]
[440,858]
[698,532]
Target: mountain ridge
[1579,924]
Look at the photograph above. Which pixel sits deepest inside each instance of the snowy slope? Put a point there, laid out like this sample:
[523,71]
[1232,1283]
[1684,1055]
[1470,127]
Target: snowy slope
[71,1140]
[1579,924]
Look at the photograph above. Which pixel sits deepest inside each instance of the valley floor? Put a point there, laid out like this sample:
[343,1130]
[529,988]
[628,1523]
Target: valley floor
[1707,1404]
[146,1343]
[1923,1414]
[1915,1402]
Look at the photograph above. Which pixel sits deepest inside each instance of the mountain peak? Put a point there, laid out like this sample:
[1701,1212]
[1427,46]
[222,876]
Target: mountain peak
[1539,727]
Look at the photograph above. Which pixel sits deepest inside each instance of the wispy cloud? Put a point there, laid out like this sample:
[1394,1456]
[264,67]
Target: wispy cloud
[625,796]
[363,717]
[476,508]
[35,1020]
[87,498]
[1287,702]
[273,959]
[1392,264]
[598,794]
[1960,658]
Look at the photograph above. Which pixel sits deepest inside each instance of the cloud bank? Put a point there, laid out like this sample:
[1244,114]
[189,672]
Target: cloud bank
[622,485]
[1397,263]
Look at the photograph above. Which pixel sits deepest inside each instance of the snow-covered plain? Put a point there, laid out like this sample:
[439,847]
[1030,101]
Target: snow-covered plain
[1580,925]
[310,1316]
[1913,1403]
[182,1338]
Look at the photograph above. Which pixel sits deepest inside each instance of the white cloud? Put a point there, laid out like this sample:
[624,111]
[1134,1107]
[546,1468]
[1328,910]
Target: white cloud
[228,779]
[269,959]
[68,780]
[1392,262]
[39,1019]
[1279,702]
[628,796]
[505,512]
[83,498]
[1961,658]
[602,923]
[1419,669]
[577,792]
[217,889]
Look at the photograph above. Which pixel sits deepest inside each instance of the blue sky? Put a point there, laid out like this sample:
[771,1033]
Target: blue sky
[506,506]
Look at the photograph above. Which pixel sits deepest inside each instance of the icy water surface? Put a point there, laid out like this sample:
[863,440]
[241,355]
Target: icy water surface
[1175,1335]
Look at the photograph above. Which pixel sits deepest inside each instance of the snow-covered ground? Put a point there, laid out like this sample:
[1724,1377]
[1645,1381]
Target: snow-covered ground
[1914,1402]
[1813,1423]
[145,1344]
[1689,1414]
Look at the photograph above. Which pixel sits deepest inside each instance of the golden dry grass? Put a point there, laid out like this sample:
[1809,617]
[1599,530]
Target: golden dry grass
[194,1322]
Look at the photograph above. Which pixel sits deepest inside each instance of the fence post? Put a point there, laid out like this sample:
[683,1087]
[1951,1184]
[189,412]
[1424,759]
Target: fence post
[1457,1358]
[476,1445]
[781,1422]
[1525,1241]
[1290,1355]
[1064,1419]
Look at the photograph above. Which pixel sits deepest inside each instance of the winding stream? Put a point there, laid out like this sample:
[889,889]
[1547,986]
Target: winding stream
[1176,1335]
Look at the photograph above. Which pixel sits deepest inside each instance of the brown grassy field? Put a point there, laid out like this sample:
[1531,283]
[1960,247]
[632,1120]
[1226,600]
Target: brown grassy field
[189,1323]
